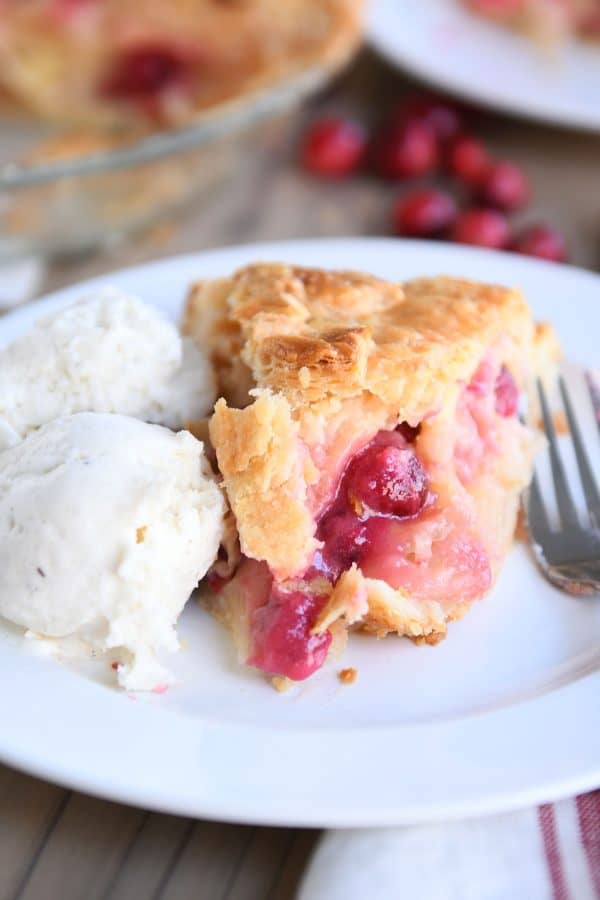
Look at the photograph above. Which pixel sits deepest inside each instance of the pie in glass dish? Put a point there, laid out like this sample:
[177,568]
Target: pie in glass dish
[110,63]
[547,21]
[370,449]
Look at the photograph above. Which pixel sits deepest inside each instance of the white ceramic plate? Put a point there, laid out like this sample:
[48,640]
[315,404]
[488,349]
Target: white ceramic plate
[503,713]
[442,43]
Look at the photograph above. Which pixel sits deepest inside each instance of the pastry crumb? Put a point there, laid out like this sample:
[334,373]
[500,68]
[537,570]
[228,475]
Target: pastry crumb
[348,676]
[281,683]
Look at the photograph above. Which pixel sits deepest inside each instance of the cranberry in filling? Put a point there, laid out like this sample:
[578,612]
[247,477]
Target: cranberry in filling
[281,638]
[506,394]
[147,70]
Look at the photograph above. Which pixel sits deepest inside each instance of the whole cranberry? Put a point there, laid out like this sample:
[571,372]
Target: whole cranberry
[405,150]
[505,186]
[506,393]
[440,114]
[541,241]
[334,146]
[481,227]
[388,480]
[146,70]
[424,213]
[468,160]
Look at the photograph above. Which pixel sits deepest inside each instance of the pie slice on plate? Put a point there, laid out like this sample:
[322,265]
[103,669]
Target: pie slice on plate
[370,449]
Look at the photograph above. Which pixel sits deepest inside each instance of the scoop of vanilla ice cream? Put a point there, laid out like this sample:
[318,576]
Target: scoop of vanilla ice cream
[107,524]
[111,353]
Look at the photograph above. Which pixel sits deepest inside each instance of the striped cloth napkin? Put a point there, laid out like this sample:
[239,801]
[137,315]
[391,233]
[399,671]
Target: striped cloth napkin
[548,853]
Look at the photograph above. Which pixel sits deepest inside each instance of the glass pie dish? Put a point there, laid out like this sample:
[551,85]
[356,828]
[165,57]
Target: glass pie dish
[66,192]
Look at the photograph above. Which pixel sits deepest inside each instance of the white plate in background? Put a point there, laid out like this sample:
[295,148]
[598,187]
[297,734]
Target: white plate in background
[444,44]
[502,714]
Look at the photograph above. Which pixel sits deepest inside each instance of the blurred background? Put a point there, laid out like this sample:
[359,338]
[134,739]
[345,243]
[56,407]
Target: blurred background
[135,132]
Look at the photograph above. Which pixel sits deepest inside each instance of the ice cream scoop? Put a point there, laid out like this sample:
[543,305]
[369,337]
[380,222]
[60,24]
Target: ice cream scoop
[107,524]
[111,353]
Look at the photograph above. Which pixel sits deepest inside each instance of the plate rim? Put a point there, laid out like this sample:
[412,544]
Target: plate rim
[398,58]
[552,713]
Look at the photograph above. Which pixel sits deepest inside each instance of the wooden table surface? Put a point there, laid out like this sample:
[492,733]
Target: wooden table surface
[59,845]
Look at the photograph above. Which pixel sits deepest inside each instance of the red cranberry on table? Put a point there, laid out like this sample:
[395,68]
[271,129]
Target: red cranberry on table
[424,213]
[506,186]
[482,228]
[334,146]
[541,241]
[468,159]
[388,479]
[405,150]
[441,115]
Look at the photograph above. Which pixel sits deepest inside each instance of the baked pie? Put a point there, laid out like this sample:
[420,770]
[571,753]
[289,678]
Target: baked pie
[370,448]
[549,21]
[112,63]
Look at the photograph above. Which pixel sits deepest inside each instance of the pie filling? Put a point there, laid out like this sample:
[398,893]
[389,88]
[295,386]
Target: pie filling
[389,517]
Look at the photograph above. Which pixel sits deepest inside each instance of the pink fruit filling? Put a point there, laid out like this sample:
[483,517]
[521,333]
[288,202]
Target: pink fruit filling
[281,638]
[385,518]
[146,71]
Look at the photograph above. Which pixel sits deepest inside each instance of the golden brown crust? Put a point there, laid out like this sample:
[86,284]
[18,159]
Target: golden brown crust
[257,449]
[206,319]
[311,335]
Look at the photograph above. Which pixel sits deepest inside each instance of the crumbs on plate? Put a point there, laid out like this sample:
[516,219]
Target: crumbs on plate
[348,676]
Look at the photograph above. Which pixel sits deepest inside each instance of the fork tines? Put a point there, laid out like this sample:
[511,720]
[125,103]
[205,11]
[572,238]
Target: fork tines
[564,498]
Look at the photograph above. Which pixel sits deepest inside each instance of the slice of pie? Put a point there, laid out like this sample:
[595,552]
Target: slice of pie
[370,448]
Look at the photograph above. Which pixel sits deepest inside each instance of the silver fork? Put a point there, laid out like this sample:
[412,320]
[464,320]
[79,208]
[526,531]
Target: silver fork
[568,555]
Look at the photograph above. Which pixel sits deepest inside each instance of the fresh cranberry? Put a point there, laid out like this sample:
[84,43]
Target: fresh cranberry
[441,115]
[505,186]
[424,213]
[405,150]
[389,480]
[409,432]
[468,160]
[506,393]
[146,70]
[543,242]
[343,536]
[281,638]
[481,227]
[334,146]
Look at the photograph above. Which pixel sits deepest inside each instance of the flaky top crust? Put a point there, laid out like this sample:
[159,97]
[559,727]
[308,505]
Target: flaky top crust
[311,334]
[333,357]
